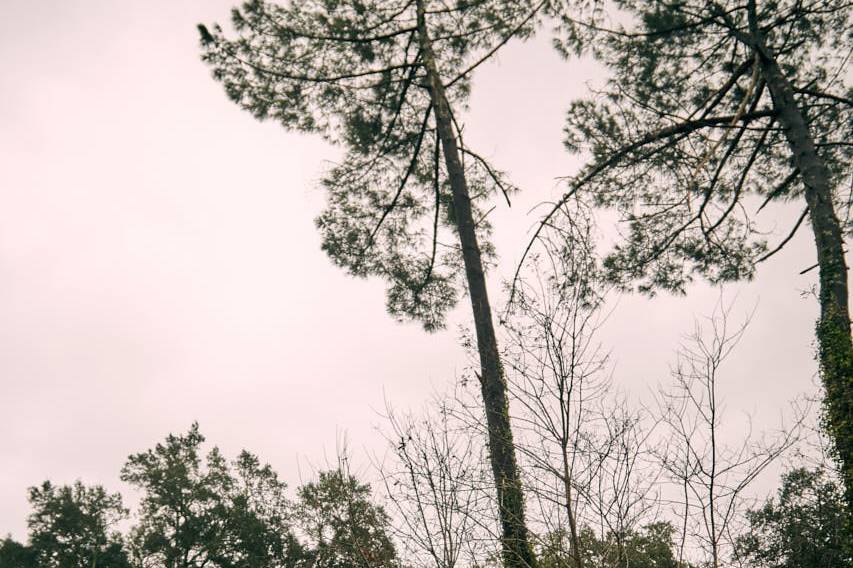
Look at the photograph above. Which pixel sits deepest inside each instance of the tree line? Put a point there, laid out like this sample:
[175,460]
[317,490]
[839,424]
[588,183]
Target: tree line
[200,509]
[713,113]
[429,505]
[609,482]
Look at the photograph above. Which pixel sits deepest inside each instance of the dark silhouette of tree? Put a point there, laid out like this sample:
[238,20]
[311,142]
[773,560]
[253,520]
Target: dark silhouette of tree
[69,527]
[211,513]
[804,527]
[382,78]
[345,527]
[13,554]
[716,109]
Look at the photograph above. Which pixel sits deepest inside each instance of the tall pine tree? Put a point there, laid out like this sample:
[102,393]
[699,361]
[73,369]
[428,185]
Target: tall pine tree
[713,111]
[382,79]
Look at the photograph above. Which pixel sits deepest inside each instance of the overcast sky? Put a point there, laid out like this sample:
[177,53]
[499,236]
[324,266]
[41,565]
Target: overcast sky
[159,262]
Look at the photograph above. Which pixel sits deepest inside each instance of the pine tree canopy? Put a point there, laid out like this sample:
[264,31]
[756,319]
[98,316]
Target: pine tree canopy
[687,139]
[353,72]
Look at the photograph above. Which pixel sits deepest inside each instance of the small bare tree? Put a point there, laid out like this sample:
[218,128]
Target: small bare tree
[622,492]
[584,449]
[555,373]
[711,477]
[438,489]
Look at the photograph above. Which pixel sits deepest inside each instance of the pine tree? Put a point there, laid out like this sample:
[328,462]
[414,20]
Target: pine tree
[715,110]
[382,79]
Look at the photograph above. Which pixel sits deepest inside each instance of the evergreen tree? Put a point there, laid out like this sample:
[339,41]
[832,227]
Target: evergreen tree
[13,554]
[346,529]
[649,547]
[69,527]
[716,109]
[803,528]
[382,79]
[211,513]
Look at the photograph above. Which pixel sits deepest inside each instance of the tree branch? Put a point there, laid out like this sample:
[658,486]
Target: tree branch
[788,238]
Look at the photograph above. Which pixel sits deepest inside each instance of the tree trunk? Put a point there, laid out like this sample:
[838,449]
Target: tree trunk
[517,552]
[570,510]
[835,351]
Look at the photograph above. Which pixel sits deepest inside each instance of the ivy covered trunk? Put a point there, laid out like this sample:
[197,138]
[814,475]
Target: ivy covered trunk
[835,351]
[516,548]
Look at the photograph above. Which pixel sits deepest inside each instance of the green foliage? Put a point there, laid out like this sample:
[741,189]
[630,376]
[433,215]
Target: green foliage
[69,527]
[714,110]
[352,71]
[213,513]
[346,529]
[649,547]
[806,526]
[836,357]
[685,138]
[13,554]
[199,510]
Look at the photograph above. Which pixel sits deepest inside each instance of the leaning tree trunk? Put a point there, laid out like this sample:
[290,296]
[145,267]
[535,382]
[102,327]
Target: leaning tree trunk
[517,552]
[835,350]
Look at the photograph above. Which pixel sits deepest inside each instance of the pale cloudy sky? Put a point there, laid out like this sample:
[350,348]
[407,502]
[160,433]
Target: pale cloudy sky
[159,263]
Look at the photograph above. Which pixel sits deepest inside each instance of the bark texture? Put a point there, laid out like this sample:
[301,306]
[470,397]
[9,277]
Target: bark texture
[516,548]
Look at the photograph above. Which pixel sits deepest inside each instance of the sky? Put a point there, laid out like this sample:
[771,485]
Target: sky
[159,262]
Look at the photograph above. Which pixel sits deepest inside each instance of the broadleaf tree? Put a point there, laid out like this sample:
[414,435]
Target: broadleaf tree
[70,526]
[201,510]
[714,110]
[803,527]
[409,201]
